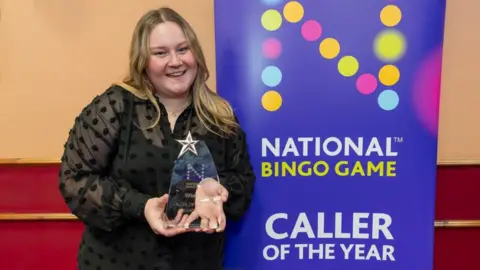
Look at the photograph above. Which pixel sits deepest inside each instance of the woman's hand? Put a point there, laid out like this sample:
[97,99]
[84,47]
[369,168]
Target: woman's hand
[158,221]
[209,199]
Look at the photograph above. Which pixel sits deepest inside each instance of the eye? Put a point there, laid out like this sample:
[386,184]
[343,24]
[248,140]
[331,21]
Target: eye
[160,54]
[183,49]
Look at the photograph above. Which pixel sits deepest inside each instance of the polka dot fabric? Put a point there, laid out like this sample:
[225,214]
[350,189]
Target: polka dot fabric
[113,163]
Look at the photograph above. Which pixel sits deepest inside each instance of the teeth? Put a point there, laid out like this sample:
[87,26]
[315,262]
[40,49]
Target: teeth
[176,73]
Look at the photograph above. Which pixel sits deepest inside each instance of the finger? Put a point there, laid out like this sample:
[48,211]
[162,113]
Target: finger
[157,227]
[204,224]
[211,211]
[191,218]
[224,195]
[171,231]
[178,230]
[179,216]
[175,222]
[183,224]
[213,223]
[160,228]
[218,199]
[222,222]
[162,202]
[183,220]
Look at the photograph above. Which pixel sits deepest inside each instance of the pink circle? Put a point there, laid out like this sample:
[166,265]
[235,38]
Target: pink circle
[366,84]
[311,30]
[426,90]
[271,48]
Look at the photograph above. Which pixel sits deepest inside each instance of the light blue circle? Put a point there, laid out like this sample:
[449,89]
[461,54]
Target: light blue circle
[388,100]
[271,2]
[271,76]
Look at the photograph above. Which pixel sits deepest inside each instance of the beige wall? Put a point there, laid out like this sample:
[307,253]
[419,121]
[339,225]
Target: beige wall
[460,99]
[56,55]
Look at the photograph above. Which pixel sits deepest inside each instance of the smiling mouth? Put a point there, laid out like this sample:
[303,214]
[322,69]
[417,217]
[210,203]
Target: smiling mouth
[176,74]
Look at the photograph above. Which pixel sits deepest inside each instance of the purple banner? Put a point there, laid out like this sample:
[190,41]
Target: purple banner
[339,100]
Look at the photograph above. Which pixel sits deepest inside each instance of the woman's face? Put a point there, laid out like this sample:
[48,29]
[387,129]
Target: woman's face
[172,67]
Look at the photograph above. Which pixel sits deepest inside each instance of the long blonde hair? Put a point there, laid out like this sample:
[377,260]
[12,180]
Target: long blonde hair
[214,112]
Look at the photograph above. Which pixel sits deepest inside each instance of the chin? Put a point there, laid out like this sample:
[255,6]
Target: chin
[177,91]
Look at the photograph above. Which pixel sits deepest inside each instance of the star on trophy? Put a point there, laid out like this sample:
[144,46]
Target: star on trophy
[193,164]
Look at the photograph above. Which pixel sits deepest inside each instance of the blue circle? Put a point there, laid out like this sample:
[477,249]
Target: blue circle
[388,100]
[271,76]
[271,2]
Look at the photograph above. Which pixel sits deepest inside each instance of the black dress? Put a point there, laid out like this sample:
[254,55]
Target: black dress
[111,167]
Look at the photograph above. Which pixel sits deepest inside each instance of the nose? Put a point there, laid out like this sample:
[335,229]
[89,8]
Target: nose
[175,60]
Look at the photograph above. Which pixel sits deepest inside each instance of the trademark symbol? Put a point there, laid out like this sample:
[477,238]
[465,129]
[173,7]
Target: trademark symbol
[398,139]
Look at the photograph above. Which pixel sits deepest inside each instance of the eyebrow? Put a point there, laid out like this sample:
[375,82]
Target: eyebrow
[163,47]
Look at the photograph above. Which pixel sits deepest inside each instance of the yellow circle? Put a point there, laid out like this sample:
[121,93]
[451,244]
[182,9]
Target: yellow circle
[389,75]
[390,15]
[271,101]
[329,48]
[348,66]
[389,45]
[271,20]
[293,11]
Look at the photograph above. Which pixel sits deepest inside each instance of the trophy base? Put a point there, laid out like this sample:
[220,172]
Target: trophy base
[194,225]
[191,226]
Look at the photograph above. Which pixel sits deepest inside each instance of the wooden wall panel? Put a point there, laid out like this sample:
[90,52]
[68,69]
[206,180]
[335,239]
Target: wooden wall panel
[457,249]
[39,245]
[458,193]
[30,189]
[29,193]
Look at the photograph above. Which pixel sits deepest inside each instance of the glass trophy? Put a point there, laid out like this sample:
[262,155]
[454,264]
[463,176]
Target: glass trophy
[193,164]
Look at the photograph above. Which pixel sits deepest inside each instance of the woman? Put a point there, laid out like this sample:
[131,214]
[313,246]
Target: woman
[119,156]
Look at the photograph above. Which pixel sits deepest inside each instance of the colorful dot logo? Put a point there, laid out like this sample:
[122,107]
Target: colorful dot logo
[329,48]
[293,12]
[389,46]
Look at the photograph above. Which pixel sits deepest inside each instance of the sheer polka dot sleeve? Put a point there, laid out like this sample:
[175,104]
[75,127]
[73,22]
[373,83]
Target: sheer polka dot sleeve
[90,192]
[238,178]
